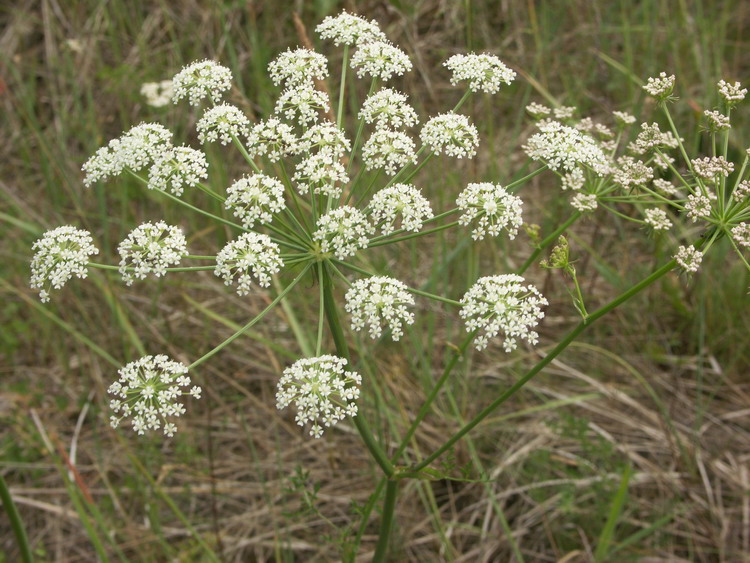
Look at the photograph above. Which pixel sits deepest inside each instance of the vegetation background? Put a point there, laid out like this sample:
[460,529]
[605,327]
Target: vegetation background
[635,445]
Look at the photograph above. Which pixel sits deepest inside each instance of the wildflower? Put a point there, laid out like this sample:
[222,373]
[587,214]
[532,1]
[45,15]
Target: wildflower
[303,102]
[662,160]
[451,133]
[388,108]
[698,206]
[222,123]
[660,87]
[585,125]
[348,29]
[502,304]
[732,93]
[400,199]
[342,232]
[564,112]
[689,258]
[380,59]
[273,139]
[573,180]
[560,146]
[584,202]
[742,191]
[250,255]
[741,234]
[603,130]
[147,391]
[321,389]
[492,207]
[60,254]
[538,110]
[657,218]
[651,138]
[326,137]
[298,67]
[483,72]
[631,173]
[200,80]
[378,300]
[665,186]
[716,121]
[623,118]
[711,166]
[322,174]
[151,248]
[391,150]
[177,167]
[157,94]
[255,198]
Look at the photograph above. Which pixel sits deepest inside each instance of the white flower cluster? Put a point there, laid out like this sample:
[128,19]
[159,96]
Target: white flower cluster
[380,59]
[321,173]
[660,87]
[151,248]
[651,138]
[251,254]
[484,72]
[273,139]
[199,80]
[537,110]
[157,94]
[698,206]
[665,186]
[689,258]
[452,134]
[303,103]
[348,29]
[732,93]
[658,219]
[710,167]
[716,121]
[742,191]
[326,138]
[631,173]
[322,391]
[741,234]
[255,198]
[221,123]
[584,203]
[60,254]
[176,168]
[389,150]
[388,108]
[623,118]
[564,112]
[147,391]
[560,146]
[493,206]
[294,68]
[399,199]
[380,300]
[502,304]
[573,180]
[343,231]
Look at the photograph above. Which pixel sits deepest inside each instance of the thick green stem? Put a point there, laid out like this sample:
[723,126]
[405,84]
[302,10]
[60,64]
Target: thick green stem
[386,521]
[16,523]
[241,148]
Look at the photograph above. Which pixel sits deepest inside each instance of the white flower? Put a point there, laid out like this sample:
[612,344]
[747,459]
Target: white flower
[631,173]
[201,79]
[298,67]
[151,248]
[483,72]
[564,112]
[689,258]
[157,94]
[502,304]
[657,218]
[732,93]
[273,139]
[380,300]
[343,231]
[560,146]
[388,108]
[221,123]
[650,138]
[322,391]
[326,137]
[493,209]
[177,167]
[255,198]
[584,202]
[716,121]
[623,118]
[250,255]
[400,199]
[303,102]
[380,59]
[60,254]
[741,234]
[698,206]
[390,150]
[665,186]
[322,174]
[742,191]
[661,86]
[537,110]
[711,166]
[147,391]
[573,180]
[348,29]
[451,133]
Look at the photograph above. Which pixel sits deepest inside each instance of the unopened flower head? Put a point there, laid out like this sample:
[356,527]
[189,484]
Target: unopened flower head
[380,59]
[660,87]
[689,258]
[379,301]
[537,110]
[399,199]
[732,93]
[698,206]
[502,305]
[303,103]
[657,219]
[631,173]
[157,94]
[484,72]
[326,138]
[322,174]
[148,390]
[452,134]
[273,139]
[716,121]
[176,168]
[491,208]
[151,249]
[560,146]
[222,123]
[255,199]
[710,167]
[60,254]
[585,203]
[200,80]
[251,255]
[623,118]
[741,234]
[348,29]
[388,109]
[294,68]
[389,150]
[343,231]
[322,390]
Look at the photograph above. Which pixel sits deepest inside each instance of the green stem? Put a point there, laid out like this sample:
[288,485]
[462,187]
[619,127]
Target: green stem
[526,178]
[547,241]
[185,269]
[413,235]
[321,311]
[462,101]
[15,522]
[250,161]
[342,87]
[360,129]
[386,521]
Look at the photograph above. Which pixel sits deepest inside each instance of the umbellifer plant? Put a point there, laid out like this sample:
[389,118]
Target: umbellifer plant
[312,201]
